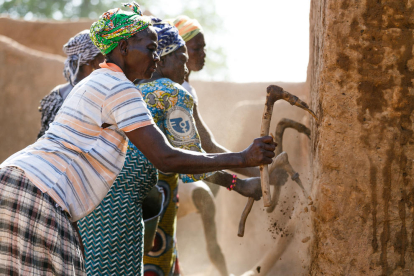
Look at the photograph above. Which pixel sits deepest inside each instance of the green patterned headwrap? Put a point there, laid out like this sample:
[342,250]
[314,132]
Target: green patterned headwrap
[116,25]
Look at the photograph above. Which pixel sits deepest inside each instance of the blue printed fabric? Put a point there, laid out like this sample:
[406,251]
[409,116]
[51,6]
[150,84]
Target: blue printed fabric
[169,39]
[171,107]
[113,234]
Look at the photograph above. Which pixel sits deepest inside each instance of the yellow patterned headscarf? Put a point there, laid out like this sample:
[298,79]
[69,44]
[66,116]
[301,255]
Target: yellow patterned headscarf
[116,24]
[187,27]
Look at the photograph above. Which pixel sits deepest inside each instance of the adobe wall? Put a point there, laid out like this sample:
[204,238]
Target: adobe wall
[46,36]
[26,75]
[361,75]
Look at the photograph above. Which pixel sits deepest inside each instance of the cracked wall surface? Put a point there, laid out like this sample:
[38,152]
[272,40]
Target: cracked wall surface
[361,75]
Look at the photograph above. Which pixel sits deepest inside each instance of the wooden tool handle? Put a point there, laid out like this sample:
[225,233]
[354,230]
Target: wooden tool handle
[274,93]
[244,215]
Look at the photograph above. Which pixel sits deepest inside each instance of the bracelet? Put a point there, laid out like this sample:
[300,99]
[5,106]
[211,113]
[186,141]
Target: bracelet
[233,182]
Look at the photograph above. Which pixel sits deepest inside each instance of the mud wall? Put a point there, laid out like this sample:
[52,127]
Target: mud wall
[361,75]
[26,75]
[46,36]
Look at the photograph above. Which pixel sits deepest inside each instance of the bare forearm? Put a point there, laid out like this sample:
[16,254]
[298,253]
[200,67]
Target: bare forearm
[154,145]
[246,187]
[189,162]
[249,172]
[224,179]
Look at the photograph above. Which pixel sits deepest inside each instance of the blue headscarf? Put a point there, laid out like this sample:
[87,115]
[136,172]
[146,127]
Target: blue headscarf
[168,38]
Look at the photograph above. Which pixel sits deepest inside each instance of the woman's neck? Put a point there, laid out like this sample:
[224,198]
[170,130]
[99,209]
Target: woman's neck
[84,71]
[187,77]
[155,76]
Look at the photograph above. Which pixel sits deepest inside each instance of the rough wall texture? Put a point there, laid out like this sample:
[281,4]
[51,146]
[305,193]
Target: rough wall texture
[45,36]
[361,74]
[26,76]
[32,63]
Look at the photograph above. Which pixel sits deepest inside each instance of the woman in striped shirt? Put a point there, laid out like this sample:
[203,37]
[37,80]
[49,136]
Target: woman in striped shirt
[66,173]
[83,57]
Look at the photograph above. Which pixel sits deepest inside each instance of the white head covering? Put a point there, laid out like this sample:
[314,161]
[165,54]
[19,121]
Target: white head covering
[80,50]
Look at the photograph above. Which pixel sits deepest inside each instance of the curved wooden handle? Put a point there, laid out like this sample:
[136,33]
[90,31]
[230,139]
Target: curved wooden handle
[244,215]
[274,93]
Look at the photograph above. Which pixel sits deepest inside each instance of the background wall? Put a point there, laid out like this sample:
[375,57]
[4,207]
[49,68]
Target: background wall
[26,75]
[46,36]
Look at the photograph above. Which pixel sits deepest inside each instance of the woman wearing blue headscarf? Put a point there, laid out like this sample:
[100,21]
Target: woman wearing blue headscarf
[172,109]
[113,233]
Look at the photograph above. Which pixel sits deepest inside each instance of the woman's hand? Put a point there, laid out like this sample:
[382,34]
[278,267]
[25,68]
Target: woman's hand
[261,151]
[249,187]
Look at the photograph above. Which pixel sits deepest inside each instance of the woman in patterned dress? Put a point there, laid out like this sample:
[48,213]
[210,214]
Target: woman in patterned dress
[82,59]
[199,196]
[172,109]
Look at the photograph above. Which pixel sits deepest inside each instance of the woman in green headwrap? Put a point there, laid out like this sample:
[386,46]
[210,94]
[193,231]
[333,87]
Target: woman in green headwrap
[114,230]
[65,174]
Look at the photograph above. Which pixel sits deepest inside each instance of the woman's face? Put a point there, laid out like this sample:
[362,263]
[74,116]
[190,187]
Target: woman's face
[196,52]
[174,65]
[141,59]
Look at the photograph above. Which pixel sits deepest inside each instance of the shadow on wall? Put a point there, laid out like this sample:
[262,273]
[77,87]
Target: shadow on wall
[233,112]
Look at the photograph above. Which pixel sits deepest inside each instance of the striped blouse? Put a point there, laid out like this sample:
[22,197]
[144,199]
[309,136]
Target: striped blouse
[77,159]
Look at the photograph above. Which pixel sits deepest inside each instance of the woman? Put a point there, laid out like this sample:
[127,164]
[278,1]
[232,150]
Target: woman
[172,109]
[199,196]
[82,59]
[66,173]
[114,229]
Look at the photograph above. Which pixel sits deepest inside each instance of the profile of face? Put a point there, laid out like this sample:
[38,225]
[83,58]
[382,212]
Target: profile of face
[173,65]
[196,52]
[140,54]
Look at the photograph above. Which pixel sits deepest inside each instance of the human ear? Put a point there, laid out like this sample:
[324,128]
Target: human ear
[123,47]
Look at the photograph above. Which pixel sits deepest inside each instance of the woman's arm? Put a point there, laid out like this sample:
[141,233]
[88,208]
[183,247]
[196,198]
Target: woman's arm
[211,146]
[249,187]
[154,145]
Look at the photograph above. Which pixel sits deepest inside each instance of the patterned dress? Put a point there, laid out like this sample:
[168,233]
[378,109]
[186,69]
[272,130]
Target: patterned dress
[172,109]
[113,233]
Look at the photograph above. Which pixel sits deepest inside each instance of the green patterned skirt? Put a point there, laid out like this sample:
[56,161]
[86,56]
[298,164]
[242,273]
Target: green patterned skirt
[113,234]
